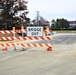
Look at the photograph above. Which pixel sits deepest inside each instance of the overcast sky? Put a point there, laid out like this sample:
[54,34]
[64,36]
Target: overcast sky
[52,9]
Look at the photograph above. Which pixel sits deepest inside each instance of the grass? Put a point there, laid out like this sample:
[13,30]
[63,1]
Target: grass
[65,31]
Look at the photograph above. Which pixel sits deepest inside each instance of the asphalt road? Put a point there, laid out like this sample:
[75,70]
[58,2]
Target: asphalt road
[38,61]
[60,39]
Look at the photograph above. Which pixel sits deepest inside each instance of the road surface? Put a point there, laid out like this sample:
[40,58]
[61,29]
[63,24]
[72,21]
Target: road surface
[39,61]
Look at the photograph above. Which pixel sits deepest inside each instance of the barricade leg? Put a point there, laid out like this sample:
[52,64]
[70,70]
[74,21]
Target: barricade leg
[4,48]
[49,49]
[15,48]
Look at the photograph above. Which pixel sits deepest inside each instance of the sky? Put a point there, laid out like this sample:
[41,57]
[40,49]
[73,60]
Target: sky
[52,9]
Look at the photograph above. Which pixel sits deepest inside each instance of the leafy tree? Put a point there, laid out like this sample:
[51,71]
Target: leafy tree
[13,13]
[53,26]
[60,24]
[64,23]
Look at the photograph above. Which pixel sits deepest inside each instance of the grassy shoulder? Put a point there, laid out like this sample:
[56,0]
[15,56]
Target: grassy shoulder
[65,31]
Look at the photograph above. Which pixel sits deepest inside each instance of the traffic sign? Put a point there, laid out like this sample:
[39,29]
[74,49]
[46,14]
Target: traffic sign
[34,31]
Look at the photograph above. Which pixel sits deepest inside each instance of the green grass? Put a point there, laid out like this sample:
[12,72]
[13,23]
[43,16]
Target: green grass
[65,31]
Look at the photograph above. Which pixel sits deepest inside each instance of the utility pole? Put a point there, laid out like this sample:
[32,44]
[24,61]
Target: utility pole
[37,18]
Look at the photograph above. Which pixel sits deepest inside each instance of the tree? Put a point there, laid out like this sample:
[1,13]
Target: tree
[60,24]
[64,23]
[53,24]
[13,13]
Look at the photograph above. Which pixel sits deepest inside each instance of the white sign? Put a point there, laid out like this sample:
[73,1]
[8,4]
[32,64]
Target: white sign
[34,31]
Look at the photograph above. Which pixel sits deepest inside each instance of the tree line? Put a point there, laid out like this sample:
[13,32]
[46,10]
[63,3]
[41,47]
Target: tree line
[60,24]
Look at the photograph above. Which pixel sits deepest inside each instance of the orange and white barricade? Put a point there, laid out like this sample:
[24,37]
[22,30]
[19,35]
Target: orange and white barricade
[26,38]
[20,31]
[24,45]
[5,45]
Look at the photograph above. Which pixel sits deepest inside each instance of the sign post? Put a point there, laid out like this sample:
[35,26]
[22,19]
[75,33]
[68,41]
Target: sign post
[14,33]
[35,31]
[47,32]
[22,27]
[14,37]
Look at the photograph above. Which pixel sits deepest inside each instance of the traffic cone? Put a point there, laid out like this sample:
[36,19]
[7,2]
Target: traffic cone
[49,49]
[4,48]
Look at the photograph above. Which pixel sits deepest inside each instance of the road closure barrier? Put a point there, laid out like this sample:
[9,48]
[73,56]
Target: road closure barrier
[24,45]
[26,38]
[33,33]
[19,31]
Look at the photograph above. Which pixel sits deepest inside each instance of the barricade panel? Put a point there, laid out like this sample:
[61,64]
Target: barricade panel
[23,38]
[26,38]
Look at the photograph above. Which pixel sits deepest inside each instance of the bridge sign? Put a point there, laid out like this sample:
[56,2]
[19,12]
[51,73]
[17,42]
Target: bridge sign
[35,31]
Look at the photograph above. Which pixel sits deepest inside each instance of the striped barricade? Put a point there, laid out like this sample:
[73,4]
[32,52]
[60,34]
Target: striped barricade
[17,31]
[25,45]
[23,38]
[12,31]
[26,38]
[8,44]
